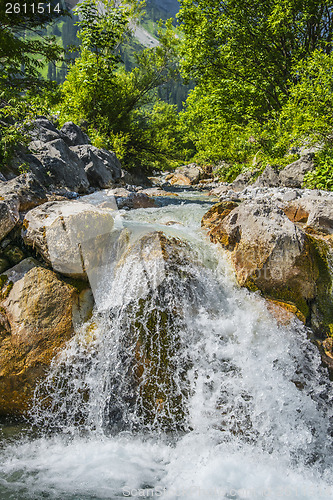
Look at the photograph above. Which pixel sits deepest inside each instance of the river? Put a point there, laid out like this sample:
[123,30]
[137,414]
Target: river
[238,407]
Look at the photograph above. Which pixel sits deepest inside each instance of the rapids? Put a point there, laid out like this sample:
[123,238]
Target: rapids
[241,406]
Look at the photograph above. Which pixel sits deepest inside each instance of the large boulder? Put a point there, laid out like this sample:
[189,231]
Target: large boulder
[150,329]
[186,175]
[292,176]
[73,135]
[242,180]
[37,316]
[26,189]
[102,167]
[69,235]
[136,200]
[63,167]
[43,130]
[268,178]
[271,254]
[135,178]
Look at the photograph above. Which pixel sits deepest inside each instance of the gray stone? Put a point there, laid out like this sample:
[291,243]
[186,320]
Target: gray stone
[102,167]
[42,129]
[269,178]
[69,235]
[137,178]
[292,176]
[26,189]
[136,200]
[73,135]
[9,217]
[62,166]
[315,211]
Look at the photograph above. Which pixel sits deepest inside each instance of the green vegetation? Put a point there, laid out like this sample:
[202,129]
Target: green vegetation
[260,72]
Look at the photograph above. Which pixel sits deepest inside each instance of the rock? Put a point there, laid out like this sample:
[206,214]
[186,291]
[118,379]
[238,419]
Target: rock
[63,167]
[71,236]
[271,254]
[36,318]
[102,167]
[220,190]
[43,130]
[73,135]
[179,180]
[217,213]
[242,180]
[2,178]
[157,192]
[26,189]
[292,176]
[186,175]
[269,178]
[315,212]
[193,172]
[9,217]
[32,164]
[152,331]
[284,313]
[136,200]
[135,178]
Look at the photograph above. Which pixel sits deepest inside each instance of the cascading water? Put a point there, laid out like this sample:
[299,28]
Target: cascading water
[180,386]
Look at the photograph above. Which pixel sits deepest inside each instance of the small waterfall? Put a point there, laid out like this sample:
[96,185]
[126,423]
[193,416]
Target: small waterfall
[184,380]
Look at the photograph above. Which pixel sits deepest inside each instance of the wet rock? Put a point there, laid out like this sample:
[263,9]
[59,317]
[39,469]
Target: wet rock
[102,167]
[26,189]
[69,235]
[271,254]
[63,167]
[73,135]
[217,213]
[36,319]
[136,200]
[292,176]
[160,276]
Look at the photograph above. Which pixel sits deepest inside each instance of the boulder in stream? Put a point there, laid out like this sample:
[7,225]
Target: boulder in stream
[69,235]
[38,312]
[272,254]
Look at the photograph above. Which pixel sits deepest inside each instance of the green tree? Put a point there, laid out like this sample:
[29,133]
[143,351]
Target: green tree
[121,107]
[248,48]
[23,53]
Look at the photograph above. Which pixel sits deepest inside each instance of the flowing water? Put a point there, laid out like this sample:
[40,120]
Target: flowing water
[181,385]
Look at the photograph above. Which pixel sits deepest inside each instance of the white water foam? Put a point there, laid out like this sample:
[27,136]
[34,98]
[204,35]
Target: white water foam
[258,418]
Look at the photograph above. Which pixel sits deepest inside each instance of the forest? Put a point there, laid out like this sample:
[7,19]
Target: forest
[253,80]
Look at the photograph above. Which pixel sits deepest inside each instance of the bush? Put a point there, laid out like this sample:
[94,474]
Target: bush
[322,176]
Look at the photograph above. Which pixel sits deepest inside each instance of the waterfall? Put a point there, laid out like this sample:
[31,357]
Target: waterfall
[181,385]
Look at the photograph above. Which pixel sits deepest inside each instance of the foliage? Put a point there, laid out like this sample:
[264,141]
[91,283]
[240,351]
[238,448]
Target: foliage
[322,176]
[23,52]
[248,48]
[264,79]
[121,108]
[308,113]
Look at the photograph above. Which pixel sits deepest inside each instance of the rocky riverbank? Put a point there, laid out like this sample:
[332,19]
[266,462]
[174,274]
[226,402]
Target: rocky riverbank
[57,220]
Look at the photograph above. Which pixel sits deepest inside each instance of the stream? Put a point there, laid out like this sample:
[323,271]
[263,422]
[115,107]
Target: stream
[181,386]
